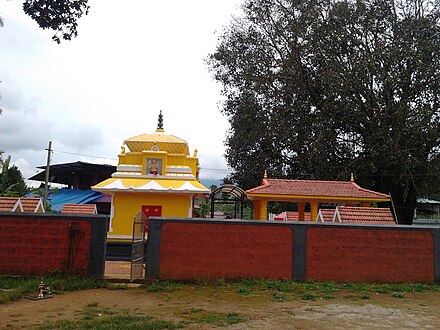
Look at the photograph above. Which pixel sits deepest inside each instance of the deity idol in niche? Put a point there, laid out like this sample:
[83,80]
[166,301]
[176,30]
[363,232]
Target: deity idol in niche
[153,168]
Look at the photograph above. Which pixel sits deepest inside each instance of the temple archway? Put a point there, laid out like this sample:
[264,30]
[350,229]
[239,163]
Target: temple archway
[230,195]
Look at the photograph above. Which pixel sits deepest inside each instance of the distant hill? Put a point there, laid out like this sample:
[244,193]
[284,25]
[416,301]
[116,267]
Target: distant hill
[209,182]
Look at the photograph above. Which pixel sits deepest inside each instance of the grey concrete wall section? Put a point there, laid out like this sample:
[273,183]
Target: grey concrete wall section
[299,252]
[153,246]
[436,235]
[98,244]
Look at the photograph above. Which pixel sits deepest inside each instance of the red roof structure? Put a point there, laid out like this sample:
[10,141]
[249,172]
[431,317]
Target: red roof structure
[293,216]
[21,204]
[364,215]
[79,209]
[32,205]
[321,189]
[325,215]
[10,204]
[311,192]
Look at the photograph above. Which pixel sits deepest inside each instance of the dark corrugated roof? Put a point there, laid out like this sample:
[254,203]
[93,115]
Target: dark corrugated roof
[67,172]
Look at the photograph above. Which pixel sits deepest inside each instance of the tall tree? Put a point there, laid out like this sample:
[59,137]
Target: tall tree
[60,16]
[319,89]
[11,179]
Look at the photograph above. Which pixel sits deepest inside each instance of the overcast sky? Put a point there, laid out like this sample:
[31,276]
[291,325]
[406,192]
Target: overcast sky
[130,60]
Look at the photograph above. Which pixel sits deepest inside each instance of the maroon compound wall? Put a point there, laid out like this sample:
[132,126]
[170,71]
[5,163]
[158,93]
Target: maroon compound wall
[207,249]
[370,255]
[194,250]
[38,244]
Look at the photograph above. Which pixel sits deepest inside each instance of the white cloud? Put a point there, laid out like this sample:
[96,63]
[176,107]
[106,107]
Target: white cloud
[130,60]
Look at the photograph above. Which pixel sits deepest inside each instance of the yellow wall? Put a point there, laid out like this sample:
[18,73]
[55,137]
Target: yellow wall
[176,159]
[140,158]
[192,162]
[127,205]
[131,158]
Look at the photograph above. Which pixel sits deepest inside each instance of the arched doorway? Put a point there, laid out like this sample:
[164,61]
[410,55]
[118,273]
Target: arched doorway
[230,195]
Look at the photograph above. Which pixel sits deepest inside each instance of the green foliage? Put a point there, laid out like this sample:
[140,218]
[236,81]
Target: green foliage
[204,209]
[282,290]
[15,288]
[244,290]
[220,319]
[118,286]
[228,210]
[199,315]
[309,296]
[279,296]
[95,317]
[40,193]
[59,16]
[320,89]
[398,295]
[12,288]
[158,286]
[11,181]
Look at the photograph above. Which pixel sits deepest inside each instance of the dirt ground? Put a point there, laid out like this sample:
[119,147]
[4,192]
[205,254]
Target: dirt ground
[258,309]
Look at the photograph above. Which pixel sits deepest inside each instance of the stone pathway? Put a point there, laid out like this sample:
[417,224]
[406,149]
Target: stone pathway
[117,270]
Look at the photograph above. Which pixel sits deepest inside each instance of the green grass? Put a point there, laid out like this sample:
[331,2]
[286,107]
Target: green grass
[244,290]
[158,286]
[13,288]
[283,290]
[220,319]
[201,316]
[309,296]
[311,290]
[398,295]
[117,286]
[94,317]
[279,296]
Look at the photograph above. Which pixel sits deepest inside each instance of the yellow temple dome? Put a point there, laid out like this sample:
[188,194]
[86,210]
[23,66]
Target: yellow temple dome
[158,141]
[156,177]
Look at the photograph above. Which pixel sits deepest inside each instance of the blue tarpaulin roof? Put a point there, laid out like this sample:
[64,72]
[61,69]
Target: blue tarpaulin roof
[71,196]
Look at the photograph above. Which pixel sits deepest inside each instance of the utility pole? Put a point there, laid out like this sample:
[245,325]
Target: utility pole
[46,181]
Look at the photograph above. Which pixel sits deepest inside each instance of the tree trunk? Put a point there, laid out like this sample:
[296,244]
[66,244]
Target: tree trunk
[404,207]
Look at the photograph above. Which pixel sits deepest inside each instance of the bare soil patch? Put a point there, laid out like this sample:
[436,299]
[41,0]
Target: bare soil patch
[258,309]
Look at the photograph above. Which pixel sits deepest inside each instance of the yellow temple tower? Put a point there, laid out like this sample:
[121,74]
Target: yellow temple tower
[157,176]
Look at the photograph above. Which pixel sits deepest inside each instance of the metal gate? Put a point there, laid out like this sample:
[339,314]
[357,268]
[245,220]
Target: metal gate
[137,247]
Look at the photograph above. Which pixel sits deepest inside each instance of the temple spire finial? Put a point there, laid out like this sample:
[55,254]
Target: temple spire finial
[352,177]
[160,122]
[265,174]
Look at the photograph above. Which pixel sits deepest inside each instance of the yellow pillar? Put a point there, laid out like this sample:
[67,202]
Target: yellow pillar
[257,210]
[301,208]
[313,211]
[263,209]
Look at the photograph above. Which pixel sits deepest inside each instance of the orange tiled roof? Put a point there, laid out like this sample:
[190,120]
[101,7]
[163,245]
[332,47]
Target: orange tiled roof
[31,204]
[326,215]
[364,215]
[294,216]
[341,189]
[79,209]
[8,204]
